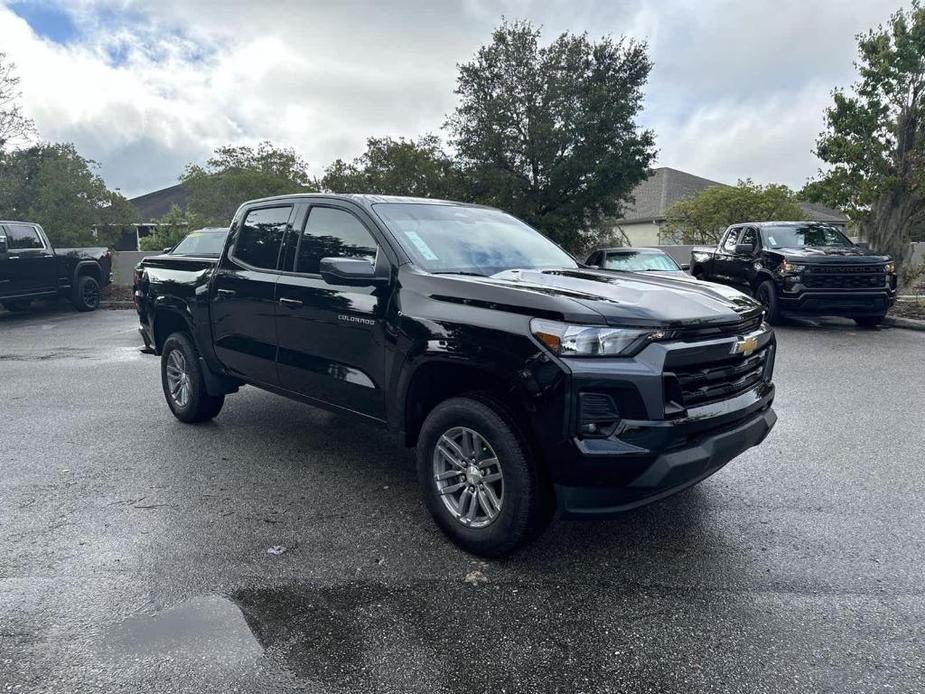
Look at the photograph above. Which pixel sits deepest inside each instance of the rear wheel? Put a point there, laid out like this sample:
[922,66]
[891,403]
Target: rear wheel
[17,306]
[479,479]
[181,377]
[869,321]
[766,293]
[86,295]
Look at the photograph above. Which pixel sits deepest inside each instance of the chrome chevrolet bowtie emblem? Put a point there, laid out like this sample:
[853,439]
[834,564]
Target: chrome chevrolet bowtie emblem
[745,345]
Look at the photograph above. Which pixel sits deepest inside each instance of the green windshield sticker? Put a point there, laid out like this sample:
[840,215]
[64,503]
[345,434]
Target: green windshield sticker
[421,245]
[772,241]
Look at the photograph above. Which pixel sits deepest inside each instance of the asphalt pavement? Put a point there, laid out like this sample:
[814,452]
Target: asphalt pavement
[281,548]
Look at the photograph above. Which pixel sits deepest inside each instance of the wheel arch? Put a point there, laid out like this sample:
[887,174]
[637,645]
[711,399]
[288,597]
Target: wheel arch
[435,380]
[89,268]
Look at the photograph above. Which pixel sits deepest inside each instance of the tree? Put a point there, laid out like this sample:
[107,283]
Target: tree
[233,175]
[53,185]
[170,230]
[397,167]
[13,124]
[702,218]
[874,140]
[548,133]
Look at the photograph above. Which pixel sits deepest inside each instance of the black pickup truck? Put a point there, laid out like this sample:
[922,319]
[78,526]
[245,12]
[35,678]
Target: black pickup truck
[524,381]
[31,269]
[801,268]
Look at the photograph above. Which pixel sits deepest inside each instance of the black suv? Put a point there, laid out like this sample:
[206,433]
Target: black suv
[525,381]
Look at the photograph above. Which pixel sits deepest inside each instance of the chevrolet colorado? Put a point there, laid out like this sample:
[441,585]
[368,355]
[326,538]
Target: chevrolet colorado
[525,381]
[31,269]
[801,267]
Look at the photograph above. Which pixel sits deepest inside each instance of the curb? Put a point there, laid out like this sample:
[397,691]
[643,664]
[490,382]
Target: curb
[907,323]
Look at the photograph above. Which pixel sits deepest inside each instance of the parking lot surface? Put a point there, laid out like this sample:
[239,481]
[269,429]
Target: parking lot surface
[283,548]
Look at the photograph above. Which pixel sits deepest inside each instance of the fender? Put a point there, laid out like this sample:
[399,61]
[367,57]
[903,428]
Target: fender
[216,382]
[497,358]
[95,269]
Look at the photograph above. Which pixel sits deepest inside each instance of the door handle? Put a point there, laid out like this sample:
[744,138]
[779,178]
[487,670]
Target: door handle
[291,302]
[225,292]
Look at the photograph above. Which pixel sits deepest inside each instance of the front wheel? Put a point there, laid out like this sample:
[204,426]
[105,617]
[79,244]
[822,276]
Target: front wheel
[766,293]
[479,479]
[181,377]
[869,321]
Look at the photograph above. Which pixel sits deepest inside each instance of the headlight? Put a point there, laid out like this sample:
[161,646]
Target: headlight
[592,341]
[790,267]
[891,268]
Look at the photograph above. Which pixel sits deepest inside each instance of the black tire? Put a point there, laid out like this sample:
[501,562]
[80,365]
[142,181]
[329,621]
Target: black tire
[196,405]
[17,306]
[86,296]
[766,293]
[869,321]
[525,509]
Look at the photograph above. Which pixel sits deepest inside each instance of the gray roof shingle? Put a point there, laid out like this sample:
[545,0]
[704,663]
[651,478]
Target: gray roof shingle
[660,191]
[151,206]
[655,195]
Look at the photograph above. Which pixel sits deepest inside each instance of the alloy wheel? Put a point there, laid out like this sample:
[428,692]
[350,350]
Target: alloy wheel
[468,476]
[91,295]
[178,379]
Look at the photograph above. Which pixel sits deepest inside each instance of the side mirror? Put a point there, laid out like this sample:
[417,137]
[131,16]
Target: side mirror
[744,249]
[168,249]
[686,267]
[3,245]
[351,272]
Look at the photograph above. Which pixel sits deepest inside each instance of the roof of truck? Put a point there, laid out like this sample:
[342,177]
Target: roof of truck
[365,199]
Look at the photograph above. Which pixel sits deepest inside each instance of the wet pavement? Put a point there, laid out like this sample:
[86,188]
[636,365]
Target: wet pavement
[134,550]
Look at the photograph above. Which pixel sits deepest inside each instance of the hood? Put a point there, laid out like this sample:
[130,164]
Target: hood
[831,254]
[623,298]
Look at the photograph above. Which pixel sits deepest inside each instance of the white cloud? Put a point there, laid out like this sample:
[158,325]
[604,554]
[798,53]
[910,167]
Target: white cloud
[737,91]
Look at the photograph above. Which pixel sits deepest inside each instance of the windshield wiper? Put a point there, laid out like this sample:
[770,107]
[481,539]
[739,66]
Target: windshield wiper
[459,272]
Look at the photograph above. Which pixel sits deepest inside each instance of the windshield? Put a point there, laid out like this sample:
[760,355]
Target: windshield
[474,240]
[202,243]
[639,261]
[798,236]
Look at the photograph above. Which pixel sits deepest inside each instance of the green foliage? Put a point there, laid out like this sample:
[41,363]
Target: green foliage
[170,230]
[397,167]
[702,218]
[874,139]
[234,175]
[548,133]
[53,185]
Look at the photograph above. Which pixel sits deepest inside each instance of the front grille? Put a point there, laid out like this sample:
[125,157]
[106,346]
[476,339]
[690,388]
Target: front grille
[742,327]
[704,383]
[844,276]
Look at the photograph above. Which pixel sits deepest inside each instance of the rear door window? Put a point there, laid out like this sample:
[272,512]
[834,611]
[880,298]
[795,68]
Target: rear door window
[23,237]
[260,236]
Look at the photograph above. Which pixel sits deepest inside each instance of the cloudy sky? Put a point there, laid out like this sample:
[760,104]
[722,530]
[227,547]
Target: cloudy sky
[738,88]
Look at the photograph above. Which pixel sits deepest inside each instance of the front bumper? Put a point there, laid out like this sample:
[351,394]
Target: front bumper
[673,426]
[669,472]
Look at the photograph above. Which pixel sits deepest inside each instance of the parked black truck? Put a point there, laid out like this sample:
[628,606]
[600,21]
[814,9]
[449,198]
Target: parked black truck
[801,268]
[30,269]
[525,381]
